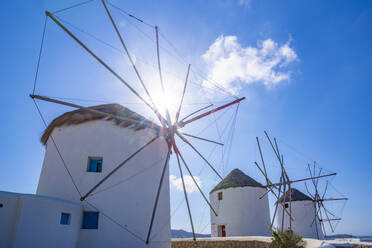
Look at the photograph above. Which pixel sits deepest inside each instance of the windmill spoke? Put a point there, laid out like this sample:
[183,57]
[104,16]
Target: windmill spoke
[277,153]
[196,137]
[314,221]
[184,190]
[308,191]
[301,180]
[270,188]
[160,74]
[102,62]
[262,159]
[187,116]
[325,190]
[117,168]
[326,214]
[317,180]
[284,194]
[277,203]
[157,195]
[161,119]
[183,123]
[266,192]
[281,161]
[197,185]
[267,179]
[205,160]
[92,110]
[335,199]
[183,95]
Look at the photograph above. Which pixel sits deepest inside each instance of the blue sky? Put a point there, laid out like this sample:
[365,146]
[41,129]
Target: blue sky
[310,89]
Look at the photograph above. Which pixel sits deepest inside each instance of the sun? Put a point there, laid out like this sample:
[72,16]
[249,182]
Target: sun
[163,101]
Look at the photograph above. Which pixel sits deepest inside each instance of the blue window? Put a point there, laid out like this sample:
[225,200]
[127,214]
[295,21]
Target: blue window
[65,219]
[90,220]
[94,164]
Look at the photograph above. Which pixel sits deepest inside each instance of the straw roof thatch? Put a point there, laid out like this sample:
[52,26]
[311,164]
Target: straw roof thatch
[81,116]
[296,195]
[236,178]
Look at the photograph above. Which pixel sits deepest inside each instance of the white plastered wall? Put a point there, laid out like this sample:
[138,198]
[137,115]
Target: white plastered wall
[131,191]
[34,221]
[303,223]
[241,211]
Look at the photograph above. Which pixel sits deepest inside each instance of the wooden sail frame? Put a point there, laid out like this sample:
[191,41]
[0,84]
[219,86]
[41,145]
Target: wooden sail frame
[278,190]
[169,129]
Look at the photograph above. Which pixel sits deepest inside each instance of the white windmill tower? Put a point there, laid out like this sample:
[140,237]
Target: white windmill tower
[77,147]
[241,211]
[303,211]
[293,209]
[98,148]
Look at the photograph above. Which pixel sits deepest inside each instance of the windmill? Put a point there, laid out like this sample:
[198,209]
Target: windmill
[170,126]
[322,214]
[283,190]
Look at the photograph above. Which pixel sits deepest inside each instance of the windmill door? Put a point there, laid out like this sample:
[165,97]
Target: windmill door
[221,231]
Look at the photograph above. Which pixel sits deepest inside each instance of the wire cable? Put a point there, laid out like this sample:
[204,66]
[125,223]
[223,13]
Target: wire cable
[58,150]
[40,52]
[71,7]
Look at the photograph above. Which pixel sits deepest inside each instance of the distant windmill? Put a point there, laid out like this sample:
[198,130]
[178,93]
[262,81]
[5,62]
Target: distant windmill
[283,191]
[322,214]
[170,126]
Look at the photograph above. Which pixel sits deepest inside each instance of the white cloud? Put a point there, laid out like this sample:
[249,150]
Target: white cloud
[230,64]
[176,183]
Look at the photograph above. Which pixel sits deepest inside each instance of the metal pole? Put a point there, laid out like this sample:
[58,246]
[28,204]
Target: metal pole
[205,198]
[158,194]
[183,95]
[187,116]
[205,160]
[196,137]
[100,61]
[301,180]
[160,74]
[182,124]
[47,99]
[132,62]
[187,200]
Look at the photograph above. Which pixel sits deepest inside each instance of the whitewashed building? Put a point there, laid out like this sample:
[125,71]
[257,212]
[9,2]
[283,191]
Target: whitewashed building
[240,210]
[118,212]
[303,213]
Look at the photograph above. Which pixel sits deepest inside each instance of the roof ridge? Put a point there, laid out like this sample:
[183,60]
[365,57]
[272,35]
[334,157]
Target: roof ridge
[236,178]
[296,195]
[80,116]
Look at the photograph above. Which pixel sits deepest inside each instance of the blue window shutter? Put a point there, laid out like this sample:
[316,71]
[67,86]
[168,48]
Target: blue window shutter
[90,220]
[65,219]
[95,165]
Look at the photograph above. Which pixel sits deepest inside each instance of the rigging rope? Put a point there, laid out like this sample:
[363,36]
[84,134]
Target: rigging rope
[40,52]
[115,222]
[139,59]
[57,149]
[303,155]
[178,56]
[200,171]
[71,7]
[232,135]
[130,15]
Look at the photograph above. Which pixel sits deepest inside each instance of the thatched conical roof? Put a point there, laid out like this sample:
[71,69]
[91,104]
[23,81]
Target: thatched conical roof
[81,116]
[236,178]
[296,195]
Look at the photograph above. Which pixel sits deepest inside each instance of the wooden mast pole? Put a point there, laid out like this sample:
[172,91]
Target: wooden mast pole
[132,63]
[104,65]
